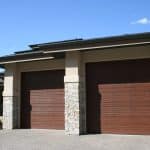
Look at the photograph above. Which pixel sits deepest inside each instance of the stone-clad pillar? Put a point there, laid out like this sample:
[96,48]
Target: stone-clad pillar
[75,114]
[10,98]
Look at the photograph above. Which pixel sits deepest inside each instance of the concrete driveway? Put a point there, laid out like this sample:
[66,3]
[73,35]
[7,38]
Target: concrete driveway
[57,140]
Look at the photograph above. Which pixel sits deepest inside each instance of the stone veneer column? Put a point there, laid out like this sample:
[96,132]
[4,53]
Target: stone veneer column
[10,98]
[75,114]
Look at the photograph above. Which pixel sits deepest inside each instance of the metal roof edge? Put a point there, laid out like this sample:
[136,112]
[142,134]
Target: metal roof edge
[101,39]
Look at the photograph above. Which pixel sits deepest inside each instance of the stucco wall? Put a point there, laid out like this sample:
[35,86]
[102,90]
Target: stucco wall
[42,65]
[10,97]
[117,54]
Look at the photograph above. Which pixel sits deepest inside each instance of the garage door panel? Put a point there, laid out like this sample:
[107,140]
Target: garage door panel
[43,119]
[43,99]
[47,95]
[126,125]
[122,91]
[37,109]
[45,116]
[53,126]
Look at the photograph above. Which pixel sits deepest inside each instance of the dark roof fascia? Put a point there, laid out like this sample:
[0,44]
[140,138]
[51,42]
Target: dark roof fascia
[23,57]
[34,46]
[27,52]
[23,52]
[63,46]
[82,43]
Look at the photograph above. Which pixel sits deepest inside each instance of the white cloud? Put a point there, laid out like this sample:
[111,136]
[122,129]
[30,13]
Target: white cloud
[142,21]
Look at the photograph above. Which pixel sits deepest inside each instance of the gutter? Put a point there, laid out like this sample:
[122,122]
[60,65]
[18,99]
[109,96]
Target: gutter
[135,36]
[68,50]
[97,47]
[25,60]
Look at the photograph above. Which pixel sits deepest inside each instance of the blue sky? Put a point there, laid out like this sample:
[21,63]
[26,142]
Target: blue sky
[24,22]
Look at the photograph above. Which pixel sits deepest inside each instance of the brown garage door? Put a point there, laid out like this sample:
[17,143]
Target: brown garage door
[42,103]
[118,97]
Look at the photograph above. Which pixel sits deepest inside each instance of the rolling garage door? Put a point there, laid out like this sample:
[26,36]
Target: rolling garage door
[118,97]
[42,103]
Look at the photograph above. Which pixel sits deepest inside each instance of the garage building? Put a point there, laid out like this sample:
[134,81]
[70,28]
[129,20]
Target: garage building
[81,86]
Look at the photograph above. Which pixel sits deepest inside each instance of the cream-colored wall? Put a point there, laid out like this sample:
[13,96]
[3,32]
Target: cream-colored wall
[72,63]
[10,97]
[117,54]
[42,65]
[10,81]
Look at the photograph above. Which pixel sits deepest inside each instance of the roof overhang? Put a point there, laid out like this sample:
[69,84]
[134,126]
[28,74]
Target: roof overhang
[84,43]
[98,47]
[25,58]
[56,50]
[29,58]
